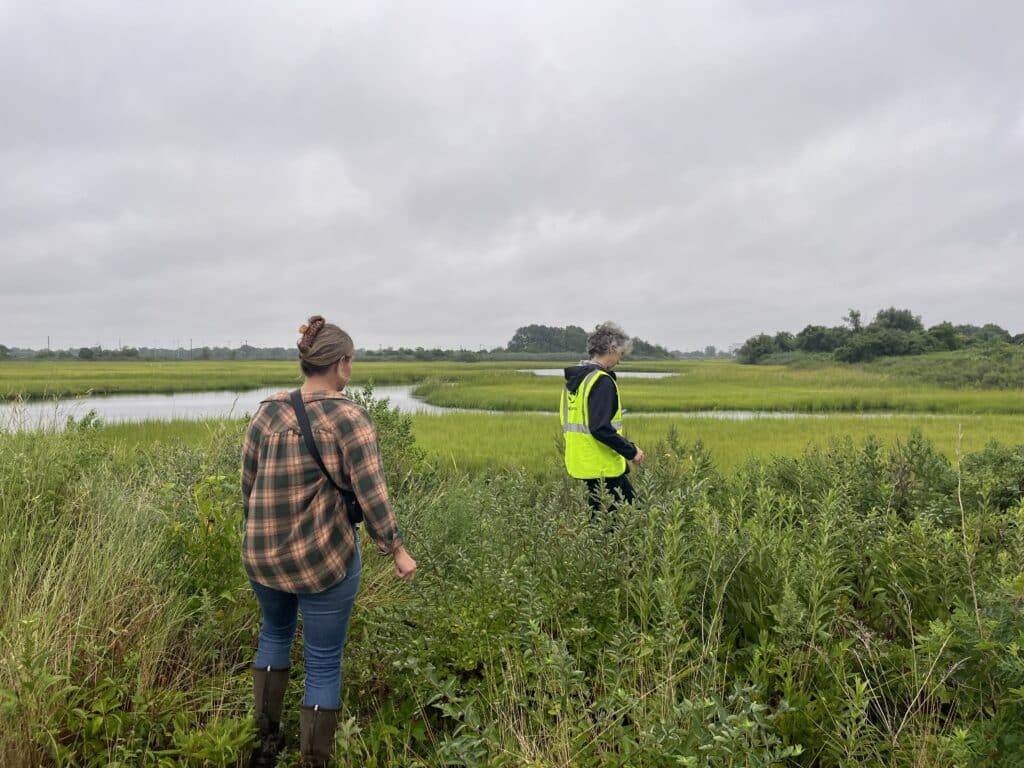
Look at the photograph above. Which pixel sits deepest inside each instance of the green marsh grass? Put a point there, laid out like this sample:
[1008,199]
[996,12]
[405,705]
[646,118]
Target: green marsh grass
[695,386]
[41,379]
[705,386]
[479,442]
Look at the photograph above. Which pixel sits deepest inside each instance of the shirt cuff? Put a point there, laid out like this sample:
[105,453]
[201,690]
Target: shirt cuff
[388,548]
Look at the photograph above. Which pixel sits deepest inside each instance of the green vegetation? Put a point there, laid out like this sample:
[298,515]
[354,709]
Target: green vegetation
[707,386]
[571,340]
[828,590]
[953,382]
[854,604]
[40,379]
[893,333]
[478,443]
[999,366]
[527,343]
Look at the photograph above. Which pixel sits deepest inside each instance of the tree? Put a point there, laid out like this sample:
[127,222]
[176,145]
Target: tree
[852,319]
[86,353]
[545,338]
[893,319]
[785,341]
[4,352]
[818,338]
[946,335]
[756,348]
[642,348]
[992,332]
[876,342]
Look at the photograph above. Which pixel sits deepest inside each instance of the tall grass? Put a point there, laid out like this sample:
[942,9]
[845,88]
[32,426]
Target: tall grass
[479,443]
[85,573]
[856,603]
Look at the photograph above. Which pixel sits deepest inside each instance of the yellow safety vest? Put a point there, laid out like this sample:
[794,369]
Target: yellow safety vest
[585,456]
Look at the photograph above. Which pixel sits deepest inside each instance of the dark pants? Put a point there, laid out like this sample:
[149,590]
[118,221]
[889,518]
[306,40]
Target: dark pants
[620,489]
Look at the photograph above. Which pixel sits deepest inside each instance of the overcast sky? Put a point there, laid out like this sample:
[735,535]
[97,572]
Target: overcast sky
[441,173]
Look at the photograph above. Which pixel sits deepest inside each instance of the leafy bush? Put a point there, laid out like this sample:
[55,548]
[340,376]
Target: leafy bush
[856,605]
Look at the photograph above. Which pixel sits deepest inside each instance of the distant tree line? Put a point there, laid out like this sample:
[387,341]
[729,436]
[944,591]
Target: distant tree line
[570,340]
[530,342]
[243,352]
[710,352]
[893,333]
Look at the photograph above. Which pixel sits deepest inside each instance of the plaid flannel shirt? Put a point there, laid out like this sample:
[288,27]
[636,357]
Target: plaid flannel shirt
[297,535]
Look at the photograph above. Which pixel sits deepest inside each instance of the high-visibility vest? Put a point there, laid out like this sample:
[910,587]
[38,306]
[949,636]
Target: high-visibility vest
[585,456]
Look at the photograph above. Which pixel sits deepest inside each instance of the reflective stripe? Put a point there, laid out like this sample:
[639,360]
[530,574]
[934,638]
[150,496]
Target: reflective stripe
[582,389]
[584,429]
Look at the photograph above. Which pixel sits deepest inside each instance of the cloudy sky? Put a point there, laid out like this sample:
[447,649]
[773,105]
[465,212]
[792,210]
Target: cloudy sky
[441,173]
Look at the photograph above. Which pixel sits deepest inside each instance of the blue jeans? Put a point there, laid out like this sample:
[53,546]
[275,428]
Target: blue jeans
[325,618]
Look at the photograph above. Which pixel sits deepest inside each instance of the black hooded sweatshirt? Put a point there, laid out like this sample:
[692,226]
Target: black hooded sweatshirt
[602,405]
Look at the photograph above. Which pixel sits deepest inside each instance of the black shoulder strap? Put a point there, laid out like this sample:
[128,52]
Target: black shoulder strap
[352,508]
[307,435]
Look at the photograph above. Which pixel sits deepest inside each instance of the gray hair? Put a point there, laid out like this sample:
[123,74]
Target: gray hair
[606,336]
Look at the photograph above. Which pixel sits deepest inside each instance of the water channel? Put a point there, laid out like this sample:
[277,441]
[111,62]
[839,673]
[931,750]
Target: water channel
[113,409]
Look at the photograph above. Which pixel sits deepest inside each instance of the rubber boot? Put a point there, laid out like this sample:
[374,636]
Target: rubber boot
[269,686]
[317,726]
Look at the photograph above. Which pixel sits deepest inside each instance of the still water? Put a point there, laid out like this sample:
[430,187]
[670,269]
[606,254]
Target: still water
[182,405]
[214,405]
[113,409]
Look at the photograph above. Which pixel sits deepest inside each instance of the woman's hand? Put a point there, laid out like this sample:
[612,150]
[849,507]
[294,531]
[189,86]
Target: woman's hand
[405,566]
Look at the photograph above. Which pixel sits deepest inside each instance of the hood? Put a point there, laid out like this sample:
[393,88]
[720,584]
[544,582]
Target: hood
[575,374]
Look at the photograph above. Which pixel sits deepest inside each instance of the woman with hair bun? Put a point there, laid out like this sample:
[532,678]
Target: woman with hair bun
[300,548]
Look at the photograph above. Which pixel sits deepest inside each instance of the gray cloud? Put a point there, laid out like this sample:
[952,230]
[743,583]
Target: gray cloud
[439,174]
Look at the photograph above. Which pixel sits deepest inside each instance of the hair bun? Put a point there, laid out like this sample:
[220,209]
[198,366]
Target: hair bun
[309,332]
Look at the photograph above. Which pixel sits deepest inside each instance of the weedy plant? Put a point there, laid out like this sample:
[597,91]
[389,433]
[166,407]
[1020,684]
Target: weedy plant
[857,604]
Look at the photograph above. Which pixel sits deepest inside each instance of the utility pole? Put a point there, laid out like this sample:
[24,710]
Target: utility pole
[190,349]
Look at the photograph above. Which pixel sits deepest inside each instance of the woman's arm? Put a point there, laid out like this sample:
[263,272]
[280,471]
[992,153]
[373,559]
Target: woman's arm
[361,459]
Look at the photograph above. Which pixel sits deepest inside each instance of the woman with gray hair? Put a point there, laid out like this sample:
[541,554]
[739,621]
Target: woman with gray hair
[591,416]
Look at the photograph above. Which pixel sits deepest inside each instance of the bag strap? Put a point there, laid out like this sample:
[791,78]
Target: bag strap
[307,435]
